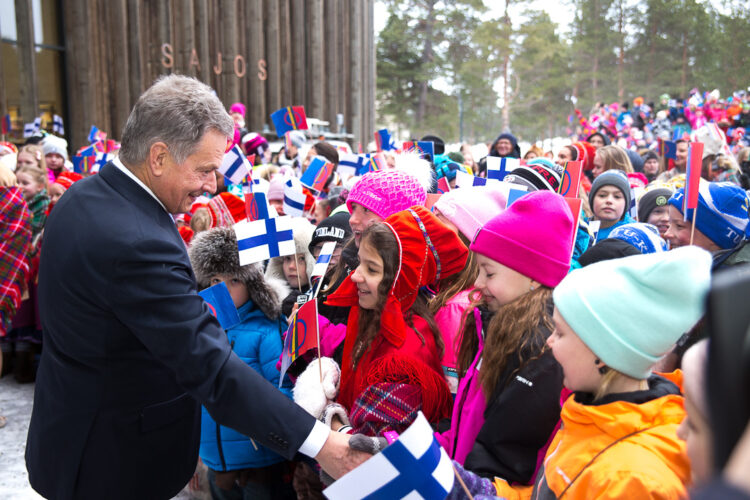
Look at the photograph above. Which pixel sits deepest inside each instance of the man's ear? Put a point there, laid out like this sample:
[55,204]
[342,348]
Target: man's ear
[157,159]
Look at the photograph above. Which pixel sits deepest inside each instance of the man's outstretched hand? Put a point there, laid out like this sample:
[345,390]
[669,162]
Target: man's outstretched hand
[337,458]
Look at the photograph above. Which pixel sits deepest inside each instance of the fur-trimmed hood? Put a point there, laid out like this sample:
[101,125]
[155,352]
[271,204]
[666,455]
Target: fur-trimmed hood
[303,233]
[215,252]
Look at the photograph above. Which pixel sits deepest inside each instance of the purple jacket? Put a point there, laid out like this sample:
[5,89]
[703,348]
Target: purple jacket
[468,409]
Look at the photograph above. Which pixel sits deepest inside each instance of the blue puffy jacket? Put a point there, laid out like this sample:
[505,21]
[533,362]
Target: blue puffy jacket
[257,341]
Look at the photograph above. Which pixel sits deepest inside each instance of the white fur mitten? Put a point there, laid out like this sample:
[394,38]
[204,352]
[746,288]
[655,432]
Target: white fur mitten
[310,394]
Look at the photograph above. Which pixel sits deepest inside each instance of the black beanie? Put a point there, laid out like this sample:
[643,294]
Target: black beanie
[438,143]
[610,248]
[650,200]
[334,228]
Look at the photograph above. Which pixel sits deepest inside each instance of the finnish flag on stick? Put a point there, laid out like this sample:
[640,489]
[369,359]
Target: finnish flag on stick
[235,166]
[497,167]
[58,126]
[465,180]
[262,239]
[321,265]
[294,198]
[414,467]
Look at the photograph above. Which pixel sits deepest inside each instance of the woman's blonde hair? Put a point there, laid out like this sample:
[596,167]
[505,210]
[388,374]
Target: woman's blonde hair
[36,151]
[39,174]
[608,380]
[615,158]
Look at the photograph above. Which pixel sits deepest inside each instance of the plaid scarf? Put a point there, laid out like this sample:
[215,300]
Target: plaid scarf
[38,208]
[15,246]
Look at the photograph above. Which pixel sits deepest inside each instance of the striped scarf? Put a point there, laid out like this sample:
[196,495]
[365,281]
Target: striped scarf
[15,246]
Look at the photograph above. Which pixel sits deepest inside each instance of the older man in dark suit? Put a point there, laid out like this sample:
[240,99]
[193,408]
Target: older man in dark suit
[131,350]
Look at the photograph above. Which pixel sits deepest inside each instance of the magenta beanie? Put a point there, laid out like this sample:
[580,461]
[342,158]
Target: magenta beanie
[470,208]
[386,192]
[237,107]
[533,236]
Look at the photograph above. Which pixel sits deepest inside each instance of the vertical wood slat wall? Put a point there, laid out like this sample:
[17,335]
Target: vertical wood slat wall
[315,53]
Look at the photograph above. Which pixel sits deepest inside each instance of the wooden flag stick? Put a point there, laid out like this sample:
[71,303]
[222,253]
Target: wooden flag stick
[692,229]
[463,485]
[317,332]
[296,267]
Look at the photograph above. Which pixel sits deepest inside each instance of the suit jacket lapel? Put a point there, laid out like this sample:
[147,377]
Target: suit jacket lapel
[138,196]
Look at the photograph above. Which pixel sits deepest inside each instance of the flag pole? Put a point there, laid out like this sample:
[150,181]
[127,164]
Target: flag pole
[692,229]
[296,266]
[317,332]
[463,485]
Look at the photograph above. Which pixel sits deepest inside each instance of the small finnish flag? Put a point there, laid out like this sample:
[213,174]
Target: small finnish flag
[497,167]
[414,466]
[464,180]
[30,129]
[294,198]
[58,126]
[321,265]
[235,166]
[262,239]
[351,164]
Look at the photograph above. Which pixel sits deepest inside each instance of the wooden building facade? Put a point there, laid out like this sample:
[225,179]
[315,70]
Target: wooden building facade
[263,53]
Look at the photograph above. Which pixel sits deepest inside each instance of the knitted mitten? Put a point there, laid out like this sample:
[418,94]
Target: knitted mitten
[478,486]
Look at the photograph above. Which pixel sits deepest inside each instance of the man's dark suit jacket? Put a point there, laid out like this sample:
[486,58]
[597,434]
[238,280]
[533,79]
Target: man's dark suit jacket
[130,350]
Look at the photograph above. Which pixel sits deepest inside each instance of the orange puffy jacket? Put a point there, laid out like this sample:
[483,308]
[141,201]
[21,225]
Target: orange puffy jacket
[651,462]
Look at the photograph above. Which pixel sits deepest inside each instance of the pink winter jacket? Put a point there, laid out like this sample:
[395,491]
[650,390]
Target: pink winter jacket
[468,409]
[448,319]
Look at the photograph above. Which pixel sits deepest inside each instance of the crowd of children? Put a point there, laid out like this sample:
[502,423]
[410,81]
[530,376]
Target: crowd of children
[543,345]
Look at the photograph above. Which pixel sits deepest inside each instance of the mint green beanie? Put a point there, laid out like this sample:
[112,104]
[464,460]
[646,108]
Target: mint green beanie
[631,311]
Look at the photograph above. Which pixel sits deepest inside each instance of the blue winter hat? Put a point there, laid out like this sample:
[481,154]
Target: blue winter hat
[631,311]
[644,237]
[446,167]
[509,136]
[722,212]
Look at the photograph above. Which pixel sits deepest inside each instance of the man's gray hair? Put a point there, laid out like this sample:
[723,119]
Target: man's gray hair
[176,110]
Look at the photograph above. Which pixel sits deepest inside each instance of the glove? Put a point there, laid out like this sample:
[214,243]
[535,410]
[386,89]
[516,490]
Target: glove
[478,486]
[313,396]
[367,444]
[334,409]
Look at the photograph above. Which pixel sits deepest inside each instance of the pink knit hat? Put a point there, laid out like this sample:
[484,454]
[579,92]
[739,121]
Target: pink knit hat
[276,188]
[237,107]
[470,208]
[386,192]
[533,236]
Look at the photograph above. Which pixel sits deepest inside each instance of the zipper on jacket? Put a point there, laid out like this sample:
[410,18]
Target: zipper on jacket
[221,450]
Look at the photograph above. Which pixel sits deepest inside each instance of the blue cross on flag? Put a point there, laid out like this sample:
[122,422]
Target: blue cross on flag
[58,126]
[464,180]
[352,164]
[294,198]
[497,167]
[414,466]
[262,239]
[235,166]
[321,265]
[30,129]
